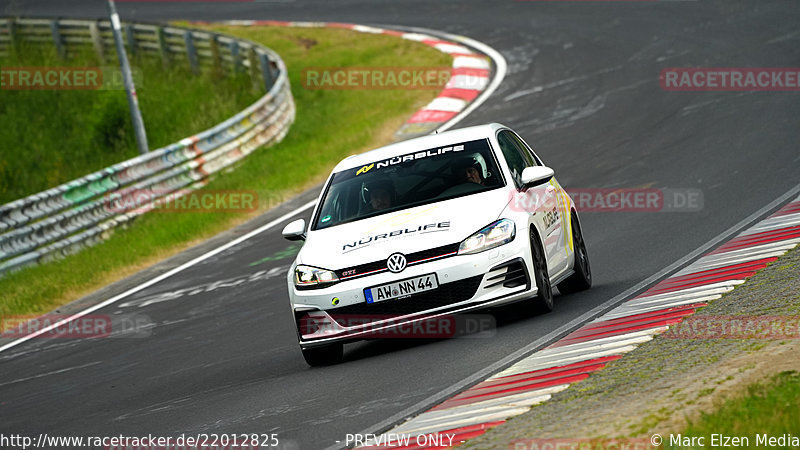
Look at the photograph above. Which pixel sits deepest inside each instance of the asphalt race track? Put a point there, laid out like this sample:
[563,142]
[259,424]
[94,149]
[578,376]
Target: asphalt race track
[582,88]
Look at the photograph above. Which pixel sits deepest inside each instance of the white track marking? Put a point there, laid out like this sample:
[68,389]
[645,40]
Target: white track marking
[446,104]
[626,311]
[723,260]
[418,37]
[570,354]
[736,257]
[500,71]
[452,48]
[470,82]
[366,29]
[630,338]
[471,62]
[526,398]
[163,276]
[785,245]
[700,288]
[775,223]
[694,296]
[55,372]
[449,424]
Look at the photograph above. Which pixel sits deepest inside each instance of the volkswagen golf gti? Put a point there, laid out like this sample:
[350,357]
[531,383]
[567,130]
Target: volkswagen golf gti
[427,228]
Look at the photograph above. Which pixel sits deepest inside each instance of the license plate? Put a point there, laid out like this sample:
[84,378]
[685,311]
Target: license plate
[401,288]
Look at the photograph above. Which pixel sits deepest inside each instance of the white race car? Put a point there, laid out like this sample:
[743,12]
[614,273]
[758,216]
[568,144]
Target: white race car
[427,228]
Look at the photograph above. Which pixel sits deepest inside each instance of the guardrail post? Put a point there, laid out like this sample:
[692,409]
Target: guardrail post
[216,58]
[12,33]
[266,71]
[254,70]
[191,52]
[97,40]
[56,32]
[131,38]
[162,45]
[127,78]
[235,56]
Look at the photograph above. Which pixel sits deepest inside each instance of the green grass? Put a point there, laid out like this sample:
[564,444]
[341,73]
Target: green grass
[54,136]
[771,408]
[330,125]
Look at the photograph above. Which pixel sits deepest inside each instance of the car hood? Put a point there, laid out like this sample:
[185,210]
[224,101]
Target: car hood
[406,231]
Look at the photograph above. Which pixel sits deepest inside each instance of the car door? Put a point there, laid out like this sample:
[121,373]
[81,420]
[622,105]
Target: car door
[547,210]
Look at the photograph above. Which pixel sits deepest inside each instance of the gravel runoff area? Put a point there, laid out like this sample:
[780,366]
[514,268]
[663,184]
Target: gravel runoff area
[677,375]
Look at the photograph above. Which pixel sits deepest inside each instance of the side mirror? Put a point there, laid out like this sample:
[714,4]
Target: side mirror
[536,175]
[295,230]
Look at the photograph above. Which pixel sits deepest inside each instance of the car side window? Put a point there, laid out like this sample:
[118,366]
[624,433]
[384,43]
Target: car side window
[531,157]
[518,158]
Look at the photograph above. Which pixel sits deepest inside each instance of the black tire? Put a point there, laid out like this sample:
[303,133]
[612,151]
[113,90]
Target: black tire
[543,300]
[582,278]
[323,356]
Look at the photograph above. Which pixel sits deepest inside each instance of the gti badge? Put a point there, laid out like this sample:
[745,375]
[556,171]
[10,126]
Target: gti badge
[396,262]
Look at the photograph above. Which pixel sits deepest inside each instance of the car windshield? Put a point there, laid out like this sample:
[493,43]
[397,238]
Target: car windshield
[413,179]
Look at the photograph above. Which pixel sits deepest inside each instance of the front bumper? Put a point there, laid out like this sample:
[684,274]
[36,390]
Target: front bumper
[466,283]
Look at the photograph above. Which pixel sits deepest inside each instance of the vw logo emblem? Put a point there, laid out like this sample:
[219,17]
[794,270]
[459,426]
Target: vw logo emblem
[396,263]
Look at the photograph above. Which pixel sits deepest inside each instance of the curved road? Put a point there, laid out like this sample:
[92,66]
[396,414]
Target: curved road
[582,87]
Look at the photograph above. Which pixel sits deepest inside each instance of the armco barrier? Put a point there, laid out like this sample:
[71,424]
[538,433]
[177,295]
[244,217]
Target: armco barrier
[67,218]
[198,49]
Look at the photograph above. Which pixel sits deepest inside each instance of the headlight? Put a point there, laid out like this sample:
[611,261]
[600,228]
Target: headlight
[310,277]
[494,235]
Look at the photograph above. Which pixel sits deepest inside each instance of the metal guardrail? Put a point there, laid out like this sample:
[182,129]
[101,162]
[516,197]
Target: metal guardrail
[77,214]
[199,49]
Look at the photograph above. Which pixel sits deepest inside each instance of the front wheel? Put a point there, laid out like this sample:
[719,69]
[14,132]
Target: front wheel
[582,278]
[323,356]
[543,301]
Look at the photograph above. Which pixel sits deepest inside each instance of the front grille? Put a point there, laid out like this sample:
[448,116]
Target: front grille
[445,294]
[412,258]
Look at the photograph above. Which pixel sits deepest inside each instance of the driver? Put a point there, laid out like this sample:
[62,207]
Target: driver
[471,169]
[379,194]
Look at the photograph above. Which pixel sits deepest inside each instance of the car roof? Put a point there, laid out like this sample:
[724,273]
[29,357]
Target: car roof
[421,143]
